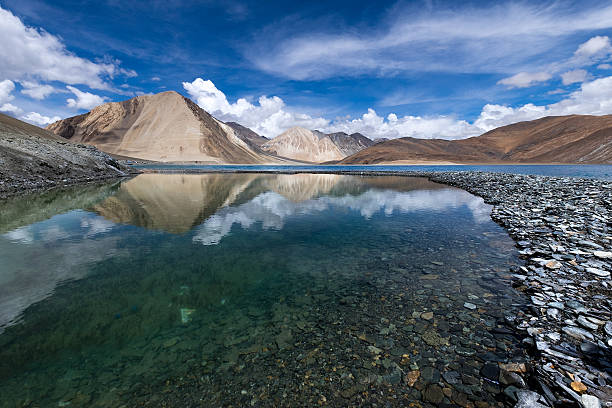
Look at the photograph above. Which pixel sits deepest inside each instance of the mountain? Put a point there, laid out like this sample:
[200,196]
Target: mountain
[247,135]
[163,127]
[302,144]
[350,144]
[31,157]
[553,139]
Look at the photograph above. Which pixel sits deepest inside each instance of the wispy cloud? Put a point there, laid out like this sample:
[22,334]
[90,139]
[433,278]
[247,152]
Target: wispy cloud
[502,38]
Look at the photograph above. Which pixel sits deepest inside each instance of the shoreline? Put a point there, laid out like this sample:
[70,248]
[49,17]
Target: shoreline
[561,227]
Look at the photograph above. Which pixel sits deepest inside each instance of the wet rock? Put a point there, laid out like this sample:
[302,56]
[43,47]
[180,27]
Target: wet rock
[411,377]
[452,377]
[433,393]
[469,305]
[490,371]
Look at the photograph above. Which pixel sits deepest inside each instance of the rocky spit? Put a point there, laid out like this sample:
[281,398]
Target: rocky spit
[563,230]
[30,163]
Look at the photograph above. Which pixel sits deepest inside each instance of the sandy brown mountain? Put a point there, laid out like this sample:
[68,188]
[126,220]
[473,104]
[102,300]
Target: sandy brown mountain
[554,139]
[163,127]
[302,144]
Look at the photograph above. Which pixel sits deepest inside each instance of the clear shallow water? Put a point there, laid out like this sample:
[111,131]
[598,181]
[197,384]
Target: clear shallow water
[598,171]
[263,289]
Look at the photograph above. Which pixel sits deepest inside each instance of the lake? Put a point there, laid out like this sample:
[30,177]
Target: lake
[253,290]
[598,171]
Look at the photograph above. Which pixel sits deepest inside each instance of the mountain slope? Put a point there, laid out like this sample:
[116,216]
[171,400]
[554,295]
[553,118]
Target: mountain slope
[162,127]
[302,144]
[247,135]
[554,139]
[31,157]
[350,144]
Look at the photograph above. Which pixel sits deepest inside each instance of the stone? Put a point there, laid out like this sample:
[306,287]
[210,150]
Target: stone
[510,378]
[490,371]
[598,272]
[411,377]
[430,375]
[514,367]
[452,377]
[427,315]
[603,254]
[582,321]
[528,399]
[578,386]
[577,333]
[608,328]
[374,350]
[553,264]
[433,394]
[590,401]
[469,305]
[171,342]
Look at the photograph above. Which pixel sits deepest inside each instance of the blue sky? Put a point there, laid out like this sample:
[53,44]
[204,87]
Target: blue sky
[423,69]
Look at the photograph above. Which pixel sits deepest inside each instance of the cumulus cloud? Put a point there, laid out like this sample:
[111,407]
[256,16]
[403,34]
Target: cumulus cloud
[375,126]
[6,89]
[35,90]
[269,117]
[84,100]
[38,119]
[571,77]
[593,98]
[525,79]
[604,66]
[30,53]
[594,46]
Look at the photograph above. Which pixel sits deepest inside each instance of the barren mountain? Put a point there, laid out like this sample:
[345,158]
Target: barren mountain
[31,157]
[247,135]
[350,144]
[554,139]
[163,127]
[302,144]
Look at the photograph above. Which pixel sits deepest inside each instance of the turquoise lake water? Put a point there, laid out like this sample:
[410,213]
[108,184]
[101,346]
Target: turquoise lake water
[599,171]
[251,289]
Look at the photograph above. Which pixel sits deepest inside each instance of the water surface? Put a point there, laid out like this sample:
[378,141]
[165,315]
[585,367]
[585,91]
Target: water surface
[252,289]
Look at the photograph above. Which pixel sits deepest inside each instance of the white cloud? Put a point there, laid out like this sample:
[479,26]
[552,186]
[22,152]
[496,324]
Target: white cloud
[374,126]
[501,38]
[6,89]
[29,53]
[84,100]
[571,77]
[604,66]
[36,90]
[525,79]
[594,46]
[593,98]
[268,117]
[156,79]
[38,119]
[10,108]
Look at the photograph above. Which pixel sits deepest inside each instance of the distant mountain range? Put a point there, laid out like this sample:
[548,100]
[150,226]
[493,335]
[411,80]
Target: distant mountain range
[554,139]
[168,127]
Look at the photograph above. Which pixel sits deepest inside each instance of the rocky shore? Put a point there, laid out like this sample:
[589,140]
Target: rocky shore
[32,160]
[562,227]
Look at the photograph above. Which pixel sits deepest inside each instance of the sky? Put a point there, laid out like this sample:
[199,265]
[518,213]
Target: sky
[426,69]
